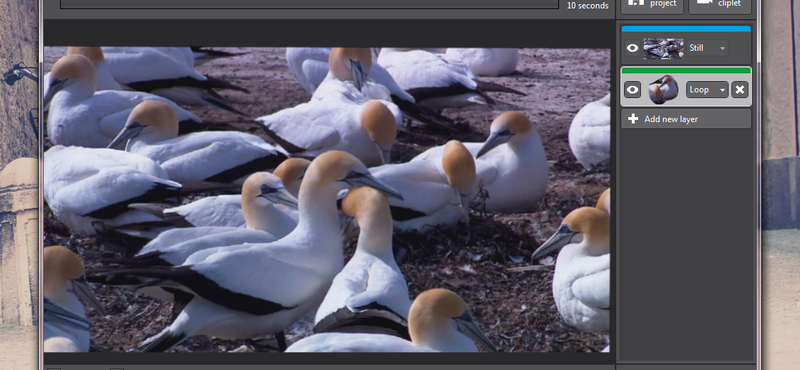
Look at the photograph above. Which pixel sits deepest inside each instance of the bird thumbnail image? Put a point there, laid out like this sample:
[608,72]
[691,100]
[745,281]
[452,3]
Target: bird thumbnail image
[663,90]
[327,199]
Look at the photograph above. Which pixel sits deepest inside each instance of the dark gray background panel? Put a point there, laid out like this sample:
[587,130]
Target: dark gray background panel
[686,215]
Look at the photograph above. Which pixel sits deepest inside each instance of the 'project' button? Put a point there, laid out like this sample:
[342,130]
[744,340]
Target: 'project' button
[652,6]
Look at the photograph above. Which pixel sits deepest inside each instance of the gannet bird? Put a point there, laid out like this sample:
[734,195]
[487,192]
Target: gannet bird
[264,221]
[104,79]
[435,192]
[438,321]
[604,202]
[581,280]
[80,116]
[370,295]
[488,62]
[339,116]
[663,89]
[226,210]
[436,82]
[212,156]
[366,131]
[89,190]
[515,174]
[167,72]
[590,133]
[250,290]
[265,224]
[66,328]
[310,68]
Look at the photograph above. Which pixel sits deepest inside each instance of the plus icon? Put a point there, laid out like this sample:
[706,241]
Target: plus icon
[633,118]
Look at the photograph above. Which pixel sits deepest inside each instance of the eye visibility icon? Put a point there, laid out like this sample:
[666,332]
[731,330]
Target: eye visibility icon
[632,89]
[632,48]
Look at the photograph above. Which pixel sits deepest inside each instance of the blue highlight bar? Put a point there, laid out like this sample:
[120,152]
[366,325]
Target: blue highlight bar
[685,28]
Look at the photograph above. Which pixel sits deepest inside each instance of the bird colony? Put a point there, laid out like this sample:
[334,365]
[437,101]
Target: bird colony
[326,199]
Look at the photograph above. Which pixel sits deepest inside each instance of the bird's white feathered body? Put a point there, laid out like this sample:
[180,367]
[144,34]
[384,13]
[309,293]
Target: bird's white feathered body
[355,342]
[59,337]
[515,177]
[367,280]
[429,200]
[137,64]
[164,71]
[330,121]
[590,133]
[489,62]
[88,189]
[310,67]
[220,210]
[581,288]
[435,82]
[216,156]
[82,117]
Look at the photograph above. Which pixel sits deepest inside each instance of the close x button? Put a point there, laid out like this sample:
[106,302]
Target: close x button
[740,89]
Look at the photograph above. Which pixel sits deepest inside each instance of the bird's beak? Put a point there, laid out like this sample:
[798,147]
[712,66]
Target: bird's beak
[495,139]
[358,73]
[386,155]
[462,199]
[561,238]
[55,86]
[466,326]
[354,178]
[81,288]
[127,133]
[280,196]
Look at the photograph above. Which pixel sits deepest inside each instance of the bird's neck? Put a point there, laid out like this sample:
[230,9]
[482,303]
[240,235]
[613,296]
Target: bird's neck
[375,235]
[446,338]
[318,214]
[268,218]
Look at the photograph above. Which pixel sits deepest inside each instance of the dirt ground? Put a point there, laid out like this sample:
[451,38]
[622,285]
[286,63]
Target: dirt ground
[515,309]
[19,42]
[780,284]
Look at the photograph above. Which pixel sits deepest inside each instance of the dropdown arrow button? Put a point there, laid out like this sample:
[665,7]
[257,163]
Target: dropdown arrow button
[722,47]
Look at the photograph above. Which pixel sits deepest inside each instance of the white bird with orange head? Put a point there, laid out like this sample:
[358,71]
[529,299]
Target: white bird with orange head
[261,194]
[104,79]
[214,156]
[438,321]
[66,328]
[80,115]
[340,114]
[435,191]
[370,295]
[511,164]
[226,210]
[249,290]
[310,66]
[663,90]
[590,133]
[581,282]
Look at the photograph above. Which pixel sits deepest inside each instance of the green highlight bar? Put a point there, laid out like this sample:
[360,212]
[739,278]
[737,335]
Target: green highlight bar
[668,70]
